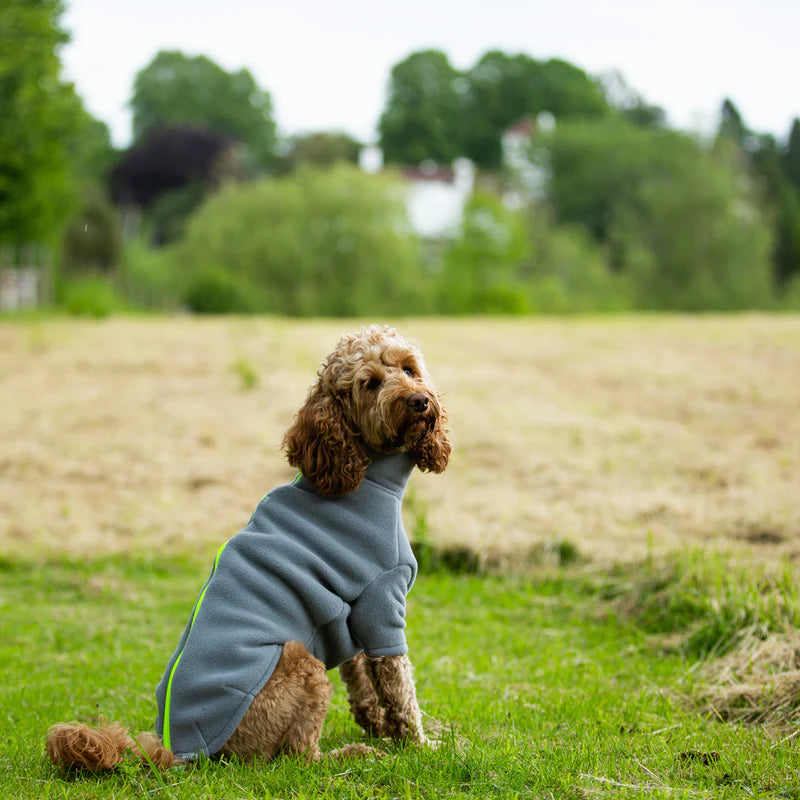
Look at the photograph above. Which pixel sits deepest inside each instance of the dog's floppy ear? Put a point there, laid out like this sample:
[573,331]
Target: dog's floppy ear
[322,444]
[433,452]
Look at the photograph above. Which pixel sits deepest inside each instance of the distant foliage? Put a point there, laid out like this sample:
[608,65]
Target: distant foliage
[507,261]
[682,223]
[434,111]
[501,89]
[423,117]
[484,268]
[47,139]
[169,172]
[92,241]
[90,296]
[176,89]
[333,242]
[775,171]
[168,158]
[318,149]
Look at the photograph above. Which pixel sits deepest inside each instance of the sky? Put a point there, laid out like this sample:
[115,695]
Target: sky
[326,64]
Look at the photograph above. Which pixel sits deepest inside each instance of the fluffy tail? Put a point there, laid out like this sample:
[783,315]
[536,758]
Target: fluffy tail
[74,745]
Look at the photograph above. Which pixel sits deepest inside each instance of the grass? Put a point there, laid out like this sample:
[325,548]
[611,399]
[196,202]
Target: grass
[573,637]
[537,686]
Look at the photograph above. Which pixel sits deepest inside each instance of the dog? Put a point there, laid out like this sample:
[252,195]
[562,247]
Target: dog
[317,579]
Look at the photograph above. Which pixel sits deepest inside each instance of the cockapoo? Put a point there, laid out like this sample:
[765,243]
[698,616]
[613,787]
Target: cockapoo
[317,579]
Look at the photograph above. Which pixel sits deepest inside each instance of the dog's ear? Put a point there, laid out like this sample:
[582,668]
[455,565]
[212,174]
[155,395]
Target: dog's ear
[433,452]
[322,444]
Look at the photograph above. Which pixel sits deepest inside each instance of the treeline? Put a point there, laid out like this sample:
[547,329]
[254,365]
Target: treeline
[604,207]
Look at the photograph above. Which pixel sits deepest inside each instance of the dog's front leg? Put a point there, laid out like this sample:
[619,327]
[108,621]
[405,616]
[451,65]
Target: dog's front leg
[364,703]
[392,678]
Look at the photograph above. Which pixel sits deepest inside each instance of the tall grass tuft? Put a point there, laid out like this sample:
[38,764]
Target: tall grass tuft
[710,601]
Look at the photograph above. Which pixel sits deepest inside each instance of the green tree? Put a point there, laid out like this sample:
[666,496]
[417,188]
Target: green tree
[791,159]
[630,104]
[772,173]
[319,149]
[731,124]
[176,89]
[683,222]
[423,115]
[502,89]
[318,242]
[781,202]
[43,126]
[484,268]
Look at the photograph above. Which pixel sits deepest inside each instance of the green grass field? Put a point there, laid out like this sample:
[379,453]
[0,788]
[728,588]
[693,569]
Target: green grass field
[535,686]
[605,648]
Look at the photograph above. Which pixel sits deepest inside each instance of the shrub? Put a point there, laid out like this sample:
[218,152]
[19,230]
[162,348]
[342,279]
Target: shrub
[92,240]
[333,242]
[215,291]
[149,276]
[484,266]
[570,273]
[90,296]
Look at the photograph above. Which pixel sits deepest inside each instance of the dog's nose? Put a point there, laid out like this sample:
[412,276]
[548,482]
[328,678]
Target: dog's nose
[417,402]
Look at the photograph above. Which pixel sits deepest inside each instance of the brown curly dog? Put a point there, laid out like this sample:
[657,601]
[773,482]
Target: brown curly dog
[317,579]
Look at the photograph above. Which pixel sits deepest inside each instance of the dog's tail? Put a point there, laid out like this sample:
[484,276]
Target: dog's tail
[74,745]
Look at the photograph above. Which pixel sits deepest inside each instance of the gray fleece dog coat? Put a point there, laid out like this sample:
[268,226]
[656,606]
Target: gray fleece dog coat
[332,573]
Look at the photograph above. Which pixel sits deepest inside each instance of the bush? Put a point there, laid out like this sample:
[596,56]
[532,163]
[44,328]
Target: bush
[791,294]
[92,240]
[484,266]
[218,292]
[503,262]
[149,277]
[90,297]
[333,242]
[570,273]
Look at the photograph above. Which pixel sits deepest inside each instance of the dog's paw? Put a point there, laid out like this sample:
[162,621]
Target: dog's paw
[356,750]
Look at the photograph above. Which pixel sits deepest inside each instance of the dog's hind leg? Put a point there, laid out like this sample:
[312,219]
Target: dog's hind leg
[287,714]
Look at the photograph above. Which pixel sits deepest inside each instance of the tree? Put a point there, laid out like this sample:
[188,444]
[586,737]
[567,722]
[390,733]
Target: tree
[165,159]
[630,104]
[772,172]
[682,221]
[731,124]
[791,158]
[176,89]
[43,123]
[423,118]
[484,266]
[502,89]
[319,149]
[169,172]
[318,242]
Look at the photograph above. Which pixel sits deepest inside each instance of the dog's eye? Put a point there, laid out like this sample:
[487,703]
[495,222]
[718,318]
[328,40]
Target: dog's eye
[373,383]
[408,371]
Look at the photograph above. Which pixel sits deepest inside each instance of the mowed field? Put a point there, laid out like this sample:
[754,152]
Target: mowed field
[619,436]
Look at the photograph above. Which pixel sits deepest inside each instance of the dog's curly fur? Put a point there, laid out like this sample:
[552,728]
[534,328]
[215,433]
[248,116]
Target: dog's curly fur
[372,394]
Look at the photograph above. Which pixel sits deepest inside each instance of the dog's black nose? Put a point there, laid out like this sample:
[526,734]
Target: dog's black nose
[417,402]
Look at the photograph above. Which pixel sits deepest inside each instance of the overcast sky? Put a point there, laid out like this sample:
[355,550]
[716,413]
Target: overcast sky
[326,64]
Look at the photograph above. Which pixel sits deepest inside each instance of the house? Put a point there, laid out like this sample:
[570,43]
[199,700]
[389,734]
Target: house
[436,194]
[526,180]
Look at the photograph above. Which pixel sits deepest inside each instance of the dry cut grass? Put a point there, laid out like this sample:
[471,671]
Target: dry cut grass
[617,434]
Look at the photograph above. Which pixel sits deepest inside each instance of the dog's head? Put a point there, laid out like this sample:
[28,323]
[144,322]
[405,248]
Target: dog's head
[373,393]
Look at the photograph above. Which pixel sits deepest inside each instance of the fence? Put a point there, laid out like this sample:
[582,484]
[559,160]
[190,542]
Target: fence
[24,278]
